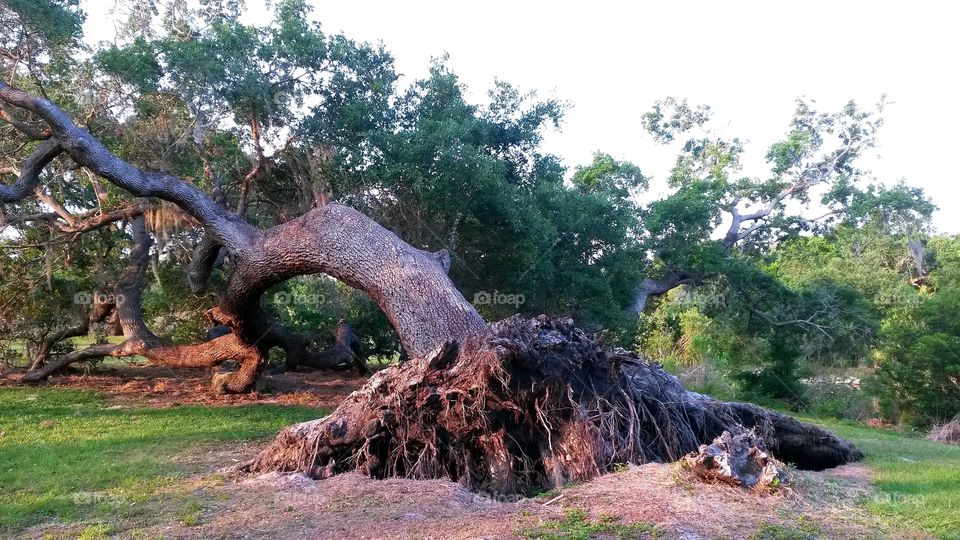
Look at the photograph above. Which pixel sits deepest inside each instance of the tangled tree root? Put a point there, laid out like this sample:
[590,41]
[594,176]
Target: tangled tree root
[740,459]
[533,404]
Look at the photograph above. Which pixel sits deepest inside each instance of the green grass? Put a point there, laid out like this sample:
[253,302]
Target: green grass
[66,456]
[577,526]
[918,481]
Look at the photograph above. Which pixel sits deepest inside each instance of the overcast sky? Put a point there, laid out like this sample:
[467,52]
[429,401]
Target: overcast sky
[748,60]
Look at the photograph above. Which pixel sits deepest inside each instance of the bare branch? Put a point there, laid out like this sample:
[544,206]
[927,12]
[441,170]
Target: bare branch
[55,205]
[100,220]
[24,128]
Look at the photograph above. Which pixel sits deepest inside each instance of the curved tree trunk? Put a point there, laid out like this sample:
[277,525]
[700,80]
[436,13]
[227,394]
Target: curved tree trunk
[409,285]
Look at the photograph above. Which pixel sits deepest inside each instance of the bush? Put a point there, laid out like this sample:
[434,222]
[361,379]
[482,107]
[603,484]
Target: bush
[838,401]
[918,376]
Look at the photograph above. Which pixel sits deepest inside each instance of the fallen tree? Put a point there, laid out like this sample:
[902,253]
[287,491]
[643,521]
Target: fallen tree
[508,407]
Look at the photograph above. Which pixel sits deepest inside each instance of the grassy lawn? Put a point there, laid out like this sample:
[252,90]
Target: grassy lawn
[918,480]
[66,456]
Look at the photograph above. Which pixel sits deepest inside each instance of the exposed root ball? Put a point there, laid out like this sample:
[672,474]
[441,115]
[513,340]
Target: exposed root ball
[532,404]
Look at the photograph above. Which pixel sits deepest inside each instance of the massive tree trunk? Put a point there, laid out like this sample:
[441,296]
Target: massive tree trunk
[528,405]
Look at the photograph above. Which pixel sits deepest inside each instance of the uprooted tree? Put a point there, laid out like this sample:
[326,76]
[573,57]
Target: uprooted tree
[511,406]
[333,239]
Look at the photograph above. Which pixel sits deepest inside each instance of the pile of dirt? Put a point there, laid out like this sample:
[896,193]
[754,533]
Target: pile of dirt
[665,499]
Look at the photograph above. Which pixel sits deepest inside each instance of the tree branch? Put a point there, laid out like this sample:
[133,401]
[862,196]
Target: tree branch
[24,128]
[87,151]
[30,172]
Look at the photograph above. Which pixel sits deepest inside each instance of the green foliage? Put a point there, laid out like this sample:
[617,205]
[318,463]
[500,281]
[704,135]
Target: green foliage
[918,376]
[828,398]
[55,22]
[136,63]
[605,174]
[778,377]
[171,309]
[314,305]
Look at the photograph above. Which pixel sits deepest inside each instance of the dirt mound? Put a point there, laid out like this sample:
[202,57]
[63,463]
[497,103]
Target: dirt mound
[661,499]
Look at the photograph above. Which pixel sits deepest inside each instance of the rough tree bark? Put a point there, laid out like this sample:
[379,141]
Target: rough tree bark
[410,285]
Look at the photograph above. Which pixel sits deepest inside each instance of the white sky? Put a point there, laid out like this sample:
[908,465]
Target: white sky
[748,60]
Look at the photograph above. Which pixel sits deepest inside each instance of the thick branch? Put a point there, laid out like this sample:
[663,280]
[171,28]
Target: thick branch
[87,151]
[30,171]
[657,287]
[202,262]
[99,220]
[90,353]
